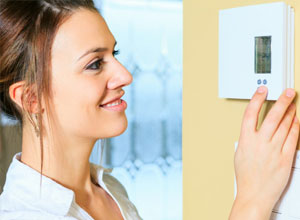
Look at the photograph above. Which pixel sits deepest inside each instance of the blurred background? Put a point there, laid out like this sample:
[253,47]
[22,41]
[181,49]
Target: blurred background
[147,158]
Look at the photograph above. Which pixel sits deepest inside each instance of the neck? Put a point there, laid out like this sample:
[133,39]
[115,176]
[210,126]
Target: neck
[65,160]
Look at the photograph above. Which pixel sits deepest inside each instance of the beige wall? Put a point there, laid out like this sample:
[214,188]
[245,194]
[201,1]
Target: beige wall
[210,125]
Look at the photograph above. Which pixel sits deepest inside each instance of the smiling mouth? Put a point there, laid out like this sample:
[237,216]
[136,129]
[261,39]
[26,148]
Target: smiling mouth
[114,103]
[118,105]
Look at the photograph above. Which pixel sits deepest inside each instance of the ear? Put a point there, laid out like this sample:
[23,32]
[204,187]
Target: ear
[16,91]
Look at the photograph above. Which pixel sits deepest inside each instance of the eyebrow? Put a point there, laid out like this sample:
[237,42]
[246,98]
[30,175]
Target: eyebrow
[95,50]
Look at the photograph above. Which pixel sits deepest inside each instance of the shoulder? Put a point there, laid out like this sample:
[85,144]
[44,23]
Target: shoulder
[13,209]
[30,215]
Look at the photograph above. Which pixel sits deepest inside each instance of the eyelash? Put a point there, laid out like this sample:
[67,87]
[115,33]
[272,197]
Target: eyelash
[100,61]
[116,52]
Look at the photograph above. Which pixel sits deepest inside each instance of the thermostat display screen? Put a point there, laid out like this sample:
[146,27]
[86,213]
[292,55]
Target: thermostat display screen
[263,54]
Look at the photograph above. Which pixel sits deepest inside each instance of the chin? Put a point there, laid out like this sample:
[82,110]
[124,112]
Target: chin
[118,129]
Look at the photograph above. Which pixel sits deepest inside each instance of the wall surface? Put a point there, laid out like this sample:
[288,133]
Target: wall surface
[211,125]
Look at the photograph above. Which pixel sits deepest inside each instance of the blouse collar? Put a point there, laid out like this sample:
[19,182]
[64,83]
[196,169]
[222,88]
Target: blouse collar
[23,182]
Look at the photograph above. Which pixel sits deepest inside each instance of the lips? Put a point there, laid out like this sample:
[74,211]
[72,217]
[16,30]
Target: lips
[118,106]
[111,101]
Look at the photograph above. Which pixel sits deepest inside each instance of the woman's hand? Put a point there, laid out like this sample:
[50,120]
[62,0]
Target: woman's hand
[264,157]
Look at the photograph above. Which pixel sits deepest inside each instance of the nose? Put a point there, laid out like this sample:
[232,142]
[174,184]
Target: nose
[120,76]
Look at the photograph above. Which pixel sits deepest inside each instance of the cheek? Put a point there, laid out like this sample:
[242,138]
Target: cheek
[77,99]
[79,91]
[76,106]
[72,87]
[88,92]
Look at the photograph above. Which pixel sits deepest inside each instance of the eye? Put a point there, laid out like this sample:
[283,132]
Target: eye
[95,65]
[116,52]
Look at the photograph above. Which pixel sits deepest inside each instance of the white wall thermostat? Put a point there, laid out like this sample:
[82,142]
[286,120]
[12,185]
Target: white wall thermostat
[256,47]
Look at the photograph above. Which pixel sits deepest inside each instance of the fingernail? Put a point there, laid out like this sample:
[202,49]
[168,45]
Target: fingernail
[261,89]
[290,93]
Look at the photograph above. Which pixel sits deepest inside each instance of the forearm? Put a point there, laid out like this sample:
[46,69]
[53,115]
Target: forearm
[249,210]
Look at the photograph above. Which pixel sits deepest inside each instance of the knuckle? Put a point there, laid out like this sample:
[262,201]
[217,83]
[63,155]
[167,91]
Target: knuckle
[249,113]
[284,100]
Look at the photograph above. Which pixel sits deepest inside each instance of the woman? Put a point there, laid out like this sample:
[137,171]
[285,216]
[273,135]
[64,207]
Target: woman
[60,79]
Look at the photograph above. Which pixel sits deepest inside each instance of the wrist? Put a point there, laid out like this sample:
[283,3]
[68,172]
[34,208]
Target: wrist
[244,208]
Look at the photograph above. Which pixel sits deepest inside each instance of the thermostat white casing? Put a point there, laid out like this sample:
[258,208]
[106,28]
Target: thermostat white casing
[256,47]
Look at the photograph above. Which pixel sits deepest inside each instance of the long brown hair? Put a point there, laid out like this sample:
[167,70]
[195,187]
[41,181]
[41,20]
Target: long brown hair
[27,30]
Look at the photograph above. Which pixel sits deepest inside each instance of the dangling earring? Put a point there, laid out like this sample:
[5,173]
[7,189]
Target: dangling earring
[36,126]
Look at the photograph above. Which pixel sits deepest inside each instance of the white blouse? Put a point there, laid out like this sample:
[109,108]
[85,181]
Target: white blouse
[22,197]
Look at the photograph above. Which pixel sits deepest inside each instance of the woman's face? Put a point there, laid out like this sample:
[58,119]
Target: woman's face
[86,76]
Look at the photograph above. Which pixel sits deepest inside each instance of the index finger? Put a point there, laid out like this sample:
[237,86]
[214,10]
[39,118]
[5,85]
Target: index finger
[275,115]
[251,114]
